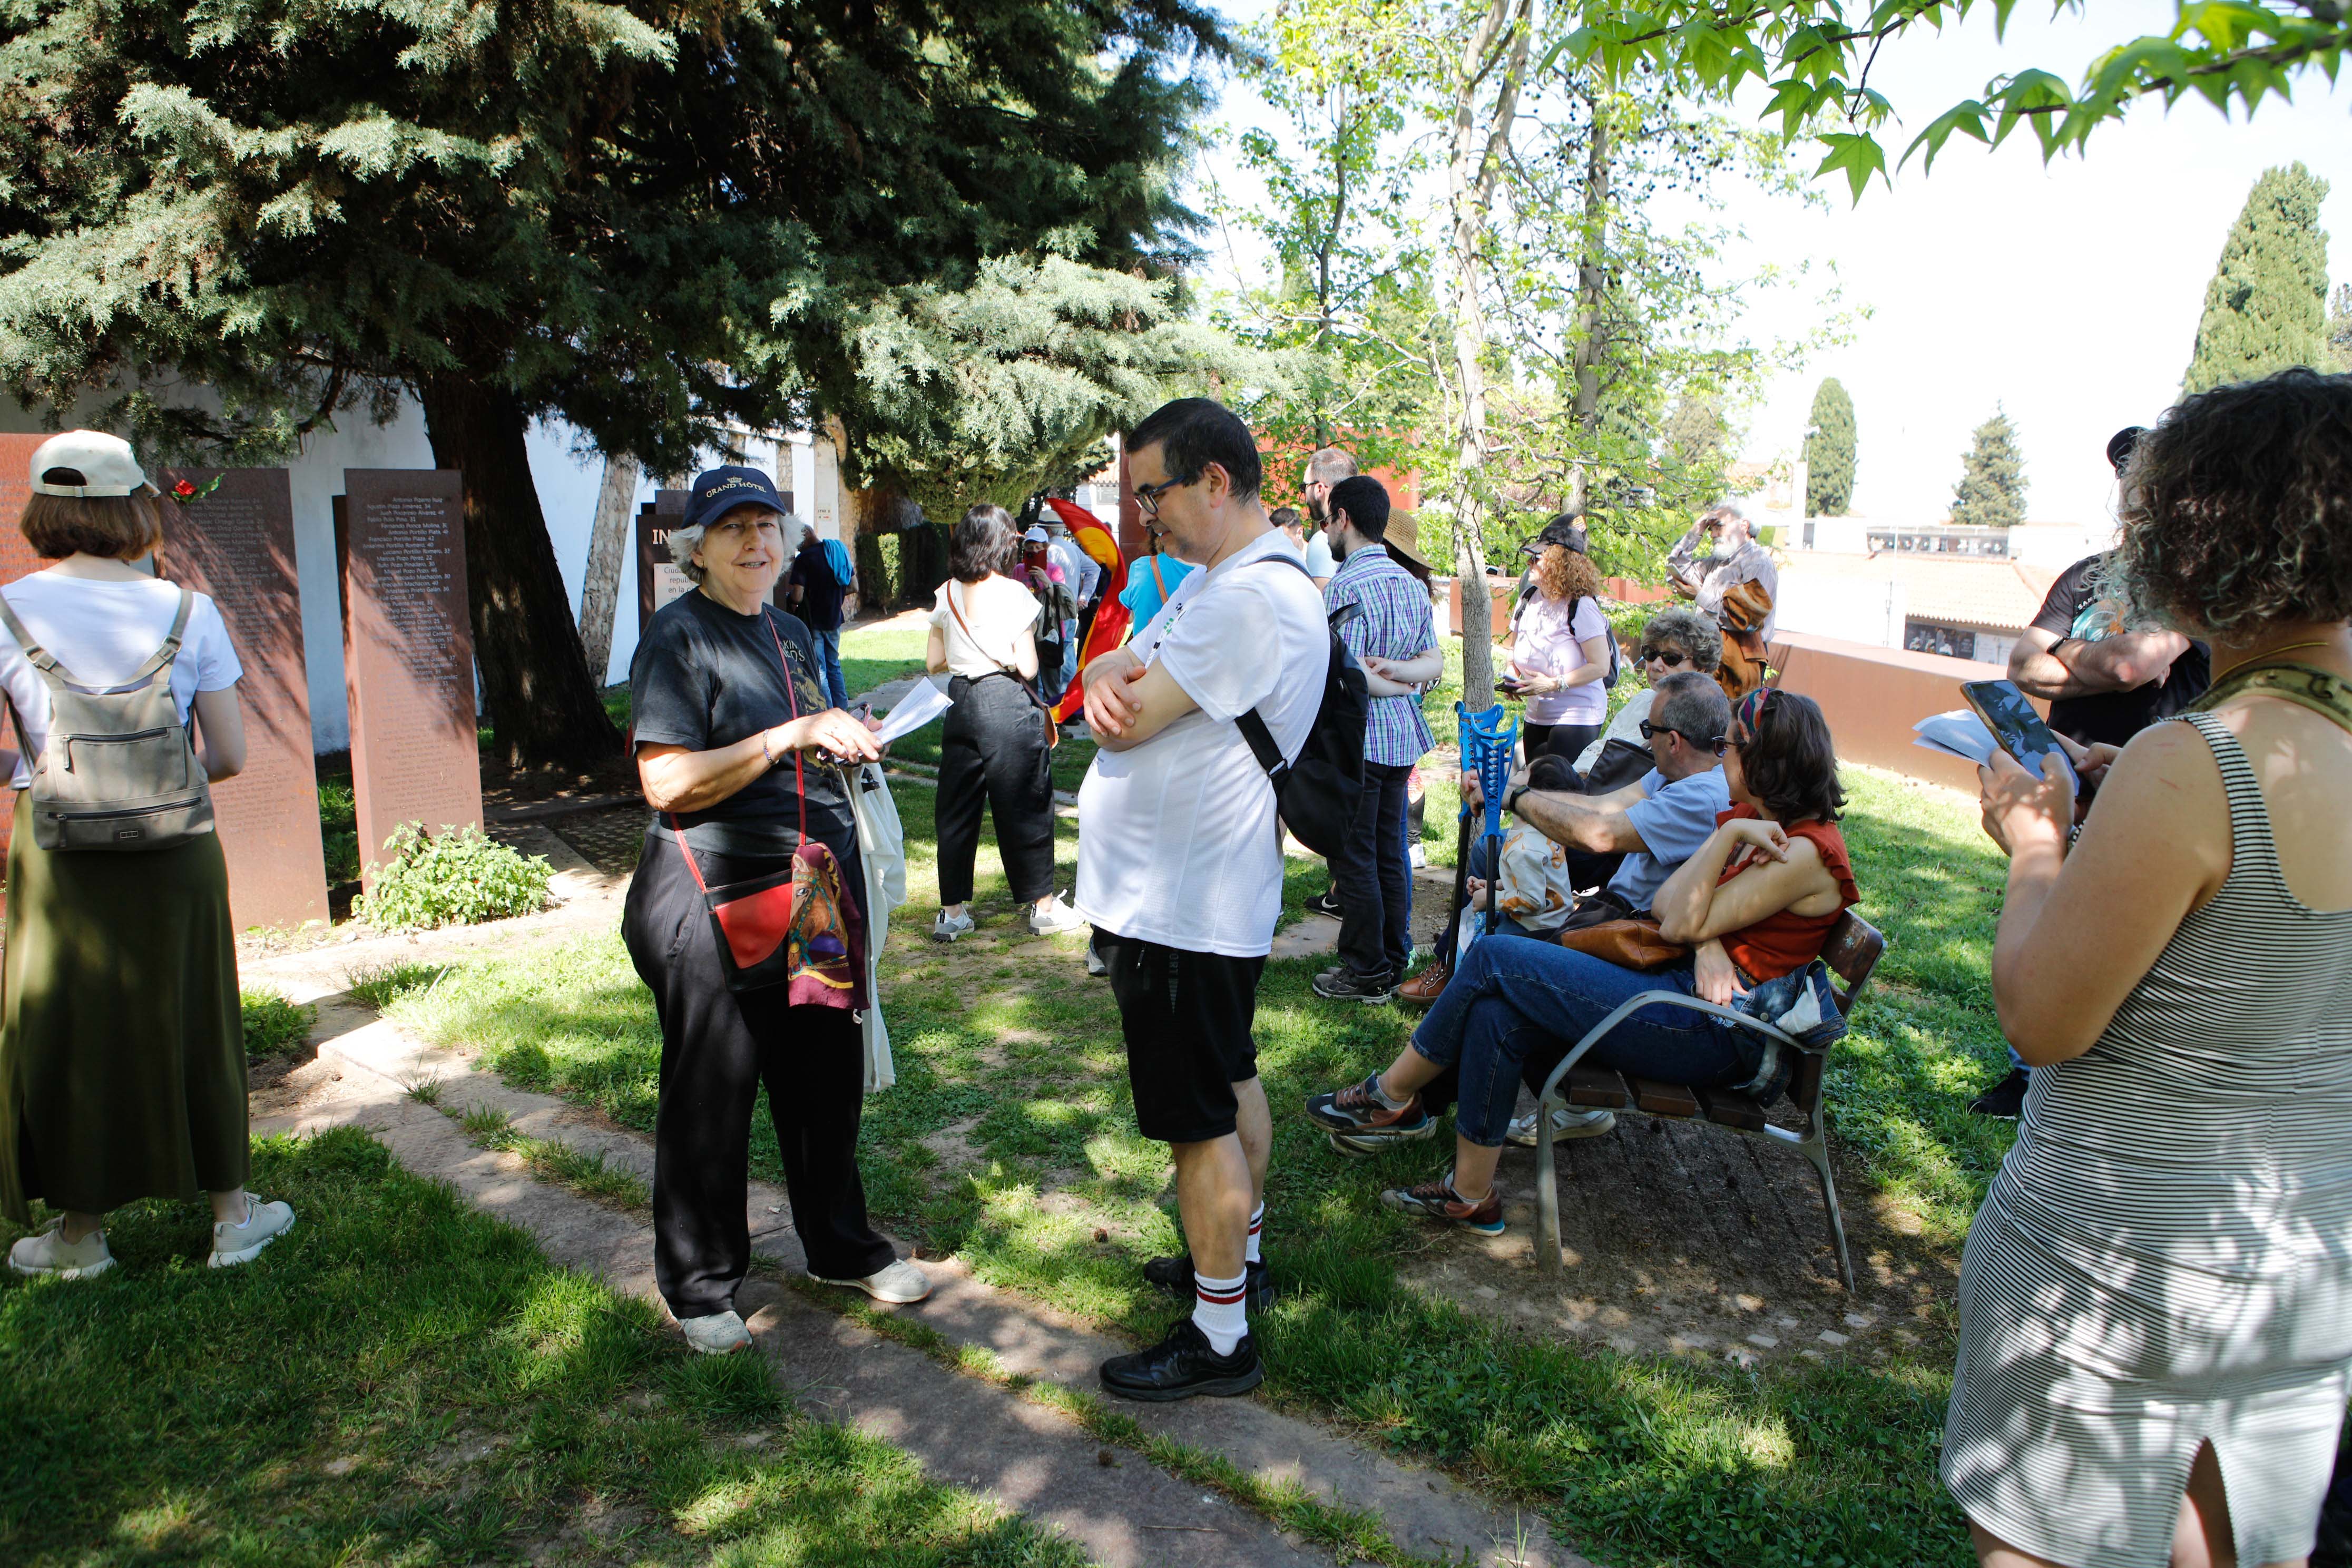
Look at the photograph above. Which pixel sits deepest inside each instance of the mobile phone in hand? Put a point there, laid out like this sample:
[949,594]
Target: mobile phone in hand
[2014,724]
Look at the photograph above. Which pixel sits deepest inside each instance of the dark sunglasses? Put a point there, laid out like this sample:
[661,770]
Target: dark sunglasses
[1147,496]
[1667,657]
[1715,743]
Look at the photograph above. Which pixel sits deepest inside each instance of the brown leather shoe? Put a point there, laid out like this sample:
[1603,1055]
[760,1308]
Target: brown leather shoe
[1423,988]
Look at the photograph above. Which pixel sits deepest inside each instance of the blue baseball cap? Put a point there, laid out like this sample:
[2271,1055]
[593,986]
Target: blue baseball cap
[719,491]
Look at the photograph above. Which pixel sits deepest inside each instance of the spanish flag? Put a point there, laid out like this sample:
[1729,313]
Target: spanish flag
[1109,628]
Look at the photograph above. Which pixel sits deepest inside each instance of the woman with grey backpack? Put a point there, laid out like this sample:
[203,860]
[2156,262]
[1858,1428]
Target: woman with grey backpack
[121,1045]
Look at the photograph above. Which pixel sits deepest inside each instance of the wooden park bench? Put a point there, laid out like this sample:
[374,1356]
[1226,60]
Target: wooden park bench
[1851,952]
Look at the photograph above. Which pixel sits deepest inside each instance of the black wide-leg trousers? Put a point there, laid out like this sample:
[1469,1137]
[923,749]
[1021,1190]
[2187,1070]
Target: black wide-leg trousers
[993,753]
[717,1048]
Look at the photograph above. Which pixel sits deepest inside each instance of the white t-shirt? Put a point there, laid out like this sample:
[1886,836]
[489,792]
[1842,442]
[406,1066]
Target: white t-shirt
[1320,562]
[999,613]
[1548,641]
[103,632]
[1178,840]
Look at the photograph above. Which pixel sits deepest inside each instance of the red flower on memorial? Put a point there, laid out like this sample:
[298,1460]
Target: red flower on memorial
[185,490]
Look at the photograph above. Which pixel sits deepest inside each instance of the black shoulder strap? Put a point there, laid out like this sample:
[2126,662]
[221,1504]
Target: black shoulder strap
[1253,727]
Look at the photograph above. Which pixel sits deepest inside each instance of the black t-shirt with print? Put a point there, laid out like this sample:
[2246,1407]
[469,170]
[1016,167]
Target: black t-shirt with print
[2071,609]
[821,591]
[705,677]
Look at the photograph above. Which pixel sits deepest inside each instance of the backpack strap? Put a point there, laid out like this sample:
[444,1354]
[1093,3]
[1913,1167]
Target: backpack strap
[36,656]
[1253,727]
[170,651]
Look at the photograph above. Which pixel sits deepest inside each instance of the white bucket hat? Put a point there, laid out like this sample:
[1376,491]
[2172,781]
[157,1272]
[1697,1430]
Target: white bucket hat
[104,462]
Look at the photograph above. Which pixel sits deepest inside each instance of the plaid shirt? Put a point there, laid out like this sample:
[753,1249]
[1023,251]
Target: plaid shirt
[1393,622]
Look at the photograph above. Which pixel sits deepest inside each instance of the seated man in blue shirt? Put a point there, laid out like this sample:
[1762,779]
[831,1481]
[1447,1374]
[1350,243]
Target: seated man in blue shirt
[1655,823]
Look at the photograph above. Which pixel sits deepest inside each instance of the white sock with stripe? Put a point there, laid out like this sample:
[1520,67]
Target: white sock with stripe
[1218,1311]
[1257,1226]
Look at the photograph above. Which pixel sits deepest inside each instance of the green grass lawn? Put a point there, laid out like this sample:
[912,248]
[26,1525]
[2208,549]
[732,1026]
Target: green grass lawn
[1641,1460]
[403,1381]
[873,655]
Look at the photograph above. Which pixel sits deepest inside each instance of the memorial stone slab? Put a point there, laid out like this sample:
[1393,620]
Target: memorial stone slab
[237,544]
[408,653]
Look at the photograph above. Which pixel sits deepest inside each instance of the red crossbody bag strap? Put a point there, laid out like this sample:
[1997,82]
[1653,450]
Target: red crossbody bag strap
[800,775]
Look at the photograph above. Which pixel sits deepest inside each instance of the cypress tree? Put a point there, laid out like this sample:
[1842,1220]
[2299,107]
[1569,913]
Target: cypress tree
[2266,308]
[1829,453]
[659,224]
[1991,492]
[2339,327]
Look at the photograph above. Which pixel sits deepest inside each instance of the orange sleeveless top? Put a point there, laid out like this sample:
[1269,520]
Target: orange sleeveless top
[1784,943]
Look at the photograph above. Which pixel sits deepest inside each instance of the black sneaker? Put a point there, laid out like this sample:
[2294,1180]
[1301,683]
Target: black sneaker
[1174,1275]
[1347,985]
[2005,1099]
[1325,903]
[1356,1112]
[1182,1365]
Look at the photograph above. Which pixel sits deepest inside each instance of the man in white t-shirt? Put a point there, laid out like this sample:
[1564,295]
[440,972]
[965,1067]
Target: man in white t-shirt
[1180,866]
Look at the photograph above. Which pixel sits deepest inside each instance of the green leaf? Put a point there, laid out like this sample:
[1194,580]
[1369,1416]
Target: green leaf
[1967,117]
[1859,156]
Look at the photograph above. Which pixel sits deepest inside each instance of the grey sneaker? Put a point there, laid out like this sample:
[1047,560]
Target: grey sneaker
[51,1254]
[1056,919]
[721,1333]
[948,927]
[1568,1122]
[264,1223]
[897,1283]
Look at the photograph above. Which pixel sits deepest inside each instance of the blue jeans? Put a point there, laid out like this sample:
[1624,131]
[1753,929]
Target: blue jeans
[1513,1004]
[1069,658]
[828,665]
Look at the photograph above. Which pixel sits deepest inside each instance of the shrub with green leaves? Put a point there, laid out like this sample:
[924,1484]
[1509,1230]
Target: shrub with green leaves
[457,877]
[272,1024]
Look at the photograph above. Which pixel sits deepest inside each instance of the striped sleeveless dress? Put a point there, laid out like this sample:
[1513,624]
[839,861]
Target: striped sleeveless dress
[2165,1257]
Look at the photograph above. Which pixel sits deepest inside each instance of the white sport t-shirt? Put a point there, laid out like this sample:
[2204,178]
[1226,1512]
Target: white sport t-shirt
[103,632]
[984,625]
[1178,840]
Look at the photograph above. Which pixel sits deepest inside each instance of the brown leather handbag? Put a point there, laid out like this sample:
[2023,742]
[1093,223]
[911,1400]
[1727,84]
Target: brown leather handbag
[1629,943]
[1746,606]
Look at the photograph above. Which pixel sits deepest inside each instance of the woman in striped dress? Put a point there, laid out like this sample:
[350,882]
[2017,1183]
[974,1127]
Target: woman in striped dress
[2156,1299]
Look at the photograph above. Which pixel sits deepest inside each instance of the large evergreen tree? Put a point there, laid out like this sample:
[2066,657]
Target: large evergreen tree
[654,223]
[1830,453]
[1991,492]
[2339,327]
[2266,308]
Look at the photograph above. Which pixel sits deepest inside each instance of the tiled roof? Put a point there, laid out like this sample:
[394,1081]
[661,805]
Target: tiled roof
[2001,594]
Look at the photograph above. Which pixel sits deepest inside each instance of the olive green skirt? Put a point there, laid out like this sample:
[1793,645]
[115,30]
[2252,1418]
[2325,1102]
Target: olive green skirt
[121,1045]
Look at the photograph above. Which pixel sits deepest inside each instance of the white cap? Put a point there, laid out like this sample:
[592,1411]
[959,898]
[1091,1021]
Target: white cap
[1036,536]
[104,462]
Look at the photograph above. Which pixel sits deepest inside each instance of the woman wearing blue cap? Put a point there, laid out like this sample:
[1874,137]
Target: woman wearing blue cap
[744,918]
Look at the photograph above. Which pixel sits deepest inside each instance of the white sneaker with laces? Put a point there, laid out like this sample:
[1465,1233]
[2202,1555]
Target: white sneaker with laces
[51,1253]
[264,1223]
[1566,1123]
[721,1333]
[948,927]
[898,1284]
[1056,919]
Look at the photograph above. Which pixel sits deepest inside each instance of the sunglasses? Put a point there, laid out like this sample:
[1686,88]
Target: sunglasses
[1147,496]
[1713,744]
[1667,657]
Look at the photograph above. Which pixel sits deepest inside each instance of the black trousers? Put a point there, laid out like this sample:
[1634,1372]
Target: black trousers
[1372,875]
[993,753]
[717,1048]
[1565,742]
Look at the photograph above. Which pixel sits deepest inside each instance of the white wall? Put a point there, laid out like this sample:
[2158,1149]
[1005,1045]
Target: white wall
[1838,607]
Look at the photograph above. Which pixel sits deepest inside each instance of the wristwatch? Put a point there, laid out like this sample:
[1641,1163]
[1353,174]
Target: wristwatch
[1511,797]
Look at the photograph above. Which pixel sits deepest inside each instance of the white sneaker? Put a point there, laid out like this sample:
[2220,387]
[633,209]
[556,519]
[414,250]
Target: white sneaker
[51,1253]
[898,1284]
[948,927]
[264,1223]
[1566,1123]
[721,1333]
[1056,919]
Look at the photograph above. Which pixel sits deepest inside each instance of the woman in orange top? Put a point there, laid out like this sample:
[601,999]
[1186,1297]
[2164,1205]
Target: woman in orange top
[1755,903]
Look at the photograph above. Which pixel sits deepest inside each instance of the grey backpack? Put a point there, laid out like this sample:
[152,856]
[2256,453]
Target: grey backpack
[119,771]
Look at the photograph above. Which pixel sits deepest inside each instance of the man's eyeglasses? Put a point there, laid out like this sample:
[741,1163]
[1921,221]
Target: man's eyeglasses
[1713,744]
[1666,655]
[1147,496]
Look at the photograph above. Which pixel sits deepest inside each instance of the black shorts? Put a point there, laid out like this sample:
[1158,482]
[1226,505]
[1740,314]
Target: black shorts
[1186,1017]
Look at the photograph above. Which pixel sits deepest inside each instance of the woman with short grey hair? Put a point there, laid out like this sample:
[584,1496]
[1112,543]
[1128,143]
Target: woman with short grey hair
[1675,639]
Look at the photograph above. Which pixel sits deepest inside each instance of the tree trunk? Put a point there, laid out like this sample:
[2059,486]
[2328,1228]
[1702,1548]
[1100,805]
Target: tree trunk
[1591,282]
[1474,159]
[608,547]
[544,707]
[881,512]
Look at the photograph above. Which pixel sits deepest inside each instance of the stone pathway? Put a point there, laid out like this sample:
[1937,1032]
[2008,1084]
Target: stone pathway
[1119,1507]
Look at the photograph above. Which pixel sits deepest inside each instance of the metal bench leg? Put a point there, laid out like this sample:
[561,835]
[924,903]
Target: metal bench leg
[1817,1149]
[1547,1192]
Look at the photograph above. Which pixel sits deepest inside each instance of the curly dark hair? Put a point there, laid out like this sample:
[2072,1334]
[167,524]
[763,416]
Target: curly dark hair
[2237,507]
[1565,574]
[1787,759]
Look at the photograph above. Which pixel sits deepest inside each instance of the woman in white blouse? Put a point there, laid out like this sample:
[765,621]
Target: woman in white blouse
[996,747]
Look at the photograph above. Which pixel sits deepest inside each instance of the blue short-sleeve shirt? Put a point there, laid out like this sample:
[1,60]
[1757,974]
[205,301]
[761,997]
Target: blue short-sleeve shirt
[1674,820]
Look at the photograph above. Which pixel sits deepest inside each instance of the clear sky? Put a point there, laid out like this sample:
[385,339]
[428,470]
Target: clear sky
[2069,295]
